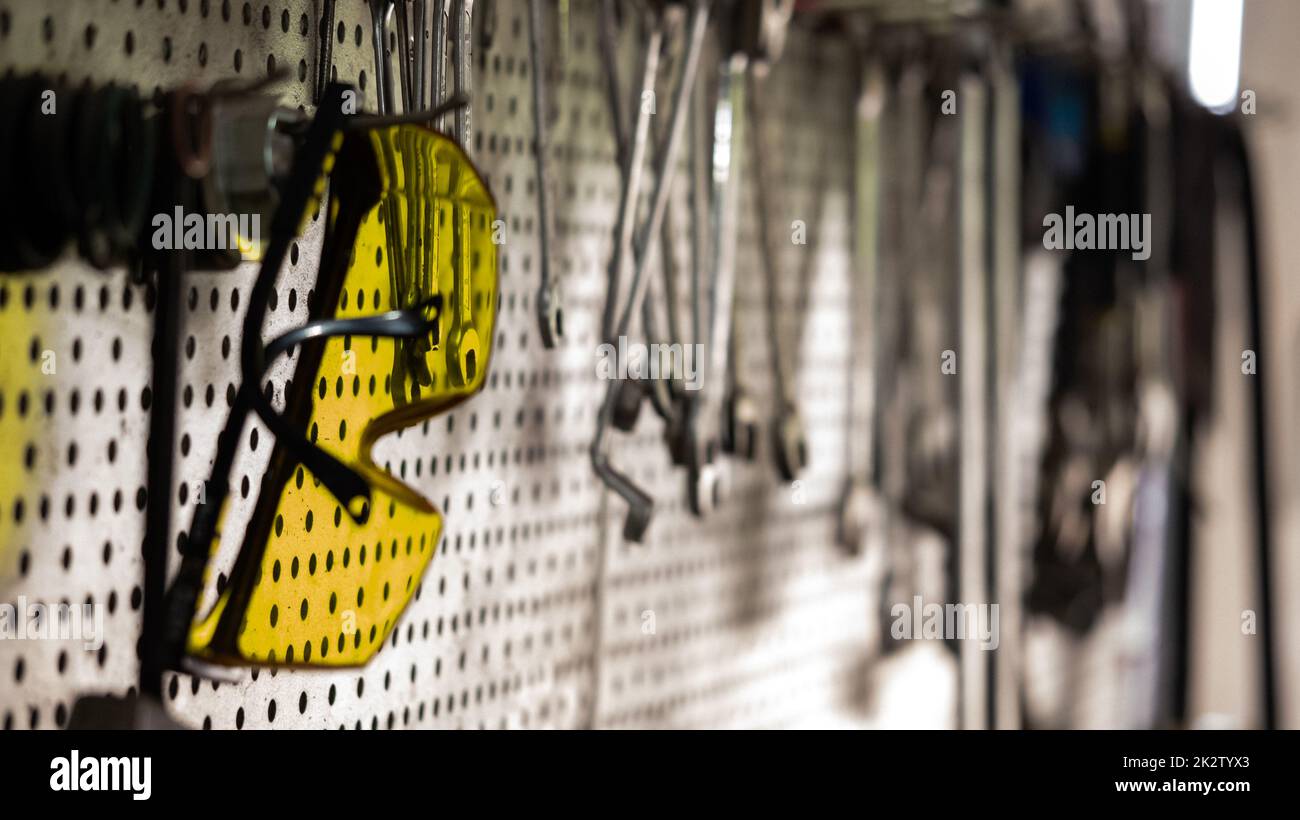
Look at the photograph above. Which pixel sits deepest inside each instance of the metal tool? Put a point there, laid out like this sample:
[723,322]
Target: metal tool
[487,32]
[550,316]
[631,159]
[1008,530]
[438,75]
[681,433]
[973,501]
[640,504]
[325,55]
[789,443]
[463,67]
[859,513]
[379,10]
[404,54]
[757,39]
[703,479]
[421,65]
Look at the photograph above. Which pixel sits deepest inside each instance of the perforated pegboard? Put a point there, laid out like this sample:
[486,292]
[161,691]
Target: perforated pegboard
[533,611]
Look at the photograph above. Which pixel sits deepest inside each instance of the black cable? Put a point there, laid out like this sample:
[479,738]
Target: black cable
[160,448]
[1235,147]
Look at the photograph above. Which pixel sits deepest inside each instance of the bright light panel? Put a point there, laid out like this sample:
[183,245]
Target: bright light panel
[1214,55]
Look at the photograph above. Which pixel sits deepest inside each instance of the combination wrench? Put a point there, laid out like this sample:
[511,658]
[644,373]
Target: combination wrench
[858,509]
[550,318]
[640,504]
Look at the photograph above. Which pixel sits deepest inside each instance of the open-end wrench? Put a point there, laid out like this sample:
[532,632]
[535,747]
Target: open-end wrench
[757,39]
[789,442]
[631,160]
[672,301]
[403,263]
[633,390]
[740,422]
[550,318]
[658,390]
[657,387]
[421,67]
[607,39]
[404,52]
[664,392]
[462,25]
[379,10]
[325,56]
[973,500]
[663,369]
[703,488]
[681,433]
[859,505]
[627,404]
[641,505]
[903,133]
[438,76]
[487,32]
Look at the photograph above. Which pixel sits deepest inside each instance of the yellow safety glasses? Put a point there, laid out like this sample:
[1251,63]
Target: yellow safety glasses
[407,298]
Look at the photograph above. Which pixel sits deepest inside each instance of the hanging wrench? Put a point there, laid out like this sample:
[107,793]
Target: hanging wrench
[403,55]
[740,423]
[550,317]
[681,433]
[758,39]
[438,77]
[973,481]
[859,505]
[462,67]
[487,32]
[379,10]
[657,387]
[902,137]
[411,53]
[641,505]
[703,480]
[1009,589]
[672,301]
[420,70]
[325,57]
[789,442]
[630,162]
[627,404]
[402,267]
